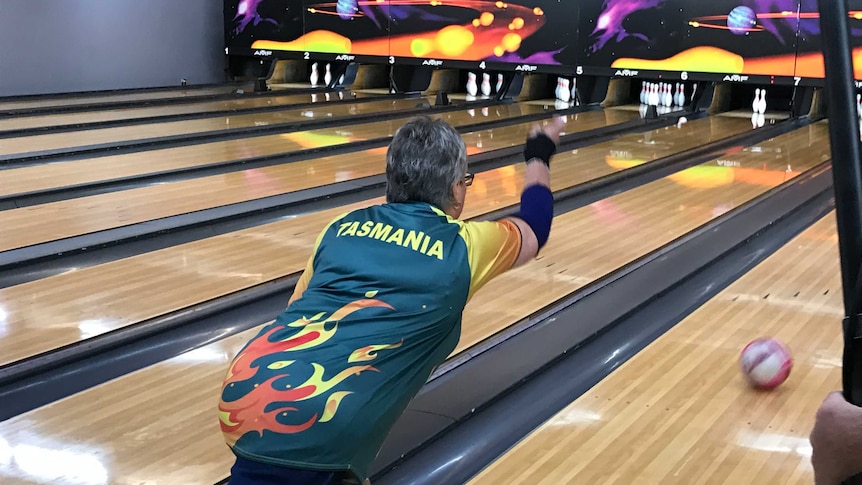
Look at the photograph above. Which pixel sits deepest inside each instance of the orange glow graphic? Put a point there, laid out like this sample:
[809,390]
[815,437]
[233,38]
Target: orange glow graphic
[487,34]
[702,59]
[811,65]
[713,59]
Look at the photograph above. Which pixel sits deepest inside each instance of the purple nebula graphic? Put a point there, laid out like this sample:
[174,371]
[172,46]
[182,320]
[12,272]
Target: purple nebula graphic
[246,13]
[383,13]
[546,58]
[609,25]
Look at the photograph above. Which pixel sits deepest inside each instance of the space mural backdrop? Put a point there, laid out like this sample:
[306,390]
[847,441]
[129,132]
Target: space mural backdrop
[748,37]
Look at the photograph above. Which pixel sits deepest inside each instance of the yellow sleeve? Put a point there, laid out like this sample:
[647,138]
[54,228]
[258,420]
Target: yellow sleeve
[304,278]
[492,249]
[308,272]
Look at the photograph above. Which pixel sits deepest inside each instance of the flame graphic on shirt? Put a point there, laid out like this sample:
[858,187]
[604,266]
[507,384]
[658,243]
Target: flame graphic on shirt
[267,407]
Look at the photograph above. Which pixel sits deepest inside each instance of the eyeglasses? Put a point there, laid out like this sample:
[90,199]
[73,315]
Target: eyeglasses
[468,179]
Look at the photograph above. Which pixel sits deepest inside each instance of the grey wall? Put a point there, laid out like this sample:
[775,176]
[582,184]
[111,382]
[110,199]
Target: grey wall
[51,46]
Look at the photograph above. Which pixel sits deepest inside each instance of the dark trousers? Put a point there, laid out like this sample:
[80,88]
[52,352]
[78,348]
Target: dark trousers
[247,472]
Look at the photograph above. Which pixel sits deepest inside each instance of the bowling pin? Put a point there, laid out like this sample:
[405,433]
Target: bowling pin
[668,96]
[574,93]
[472,88]
[499,83]
[680,98]
[643,92]
[859,105]
[755,105]
[341,80]
[762,104]
[315,76]
[653,100]
[327,76]
[486,84]
[566,92]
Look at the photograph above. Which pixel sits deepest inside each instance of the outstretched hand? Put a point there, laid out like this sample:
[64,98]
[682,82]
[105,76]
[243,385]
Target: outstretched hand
[543,147]
[552,130]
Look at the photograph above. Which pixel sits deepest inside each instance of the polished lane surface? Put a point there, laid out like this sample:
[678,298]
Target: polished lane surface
[68,141]
[64,119]
[680,412]
[91,295]
[115,167]
[163,418]
[15,104]
[56,220]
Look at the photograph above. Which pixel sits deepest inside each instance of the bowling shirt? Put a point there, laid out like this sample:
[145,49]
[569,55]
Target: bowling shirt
[377,308]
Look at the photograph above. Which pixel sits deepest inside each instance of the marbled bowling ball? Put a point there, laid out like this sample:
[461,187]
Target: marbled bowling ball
[766,363]
[741,19]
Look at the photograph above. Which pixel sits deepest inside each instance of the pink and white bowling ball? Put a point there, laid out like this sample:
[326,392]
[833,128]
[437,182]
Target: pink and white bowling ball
[766,363]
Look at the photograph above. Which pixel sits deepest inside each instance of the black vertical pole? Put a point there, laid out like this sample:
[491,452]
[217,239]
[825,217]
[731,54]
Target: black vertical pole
[844,137]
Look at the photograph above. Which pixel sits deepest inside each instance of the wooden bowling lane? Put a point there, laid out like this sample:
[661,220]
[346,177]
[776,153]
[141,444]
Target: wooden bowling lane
[679,412]
[63,119]
[91,295]
[95,98]
[112,167]
[159,424]
[22,145]
[84,215]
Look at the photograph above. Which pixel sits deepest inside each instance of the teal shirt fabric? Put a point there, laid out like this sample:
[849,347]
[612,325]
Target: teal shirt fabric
[321,386]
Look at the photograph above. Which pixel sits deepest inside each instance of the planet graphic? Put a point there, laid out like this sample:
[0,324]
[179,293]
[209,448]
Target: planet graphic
[741,20]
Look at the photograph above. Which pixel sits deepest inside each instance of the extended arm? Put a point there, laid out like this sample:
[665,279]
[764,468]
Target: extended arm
[537,201]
